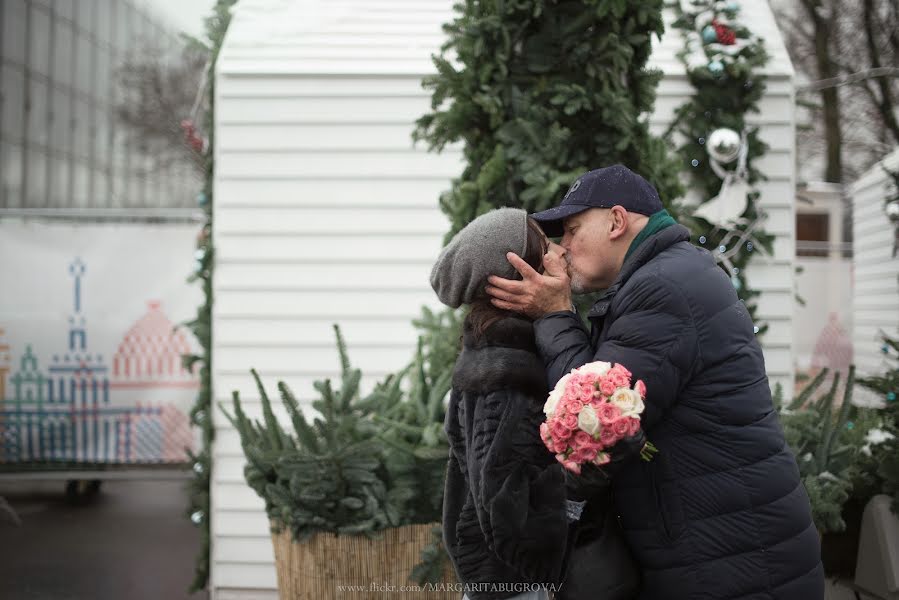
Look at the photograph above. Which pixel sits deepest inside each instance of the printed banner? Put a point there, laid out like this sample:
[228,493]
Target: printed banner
[90,354]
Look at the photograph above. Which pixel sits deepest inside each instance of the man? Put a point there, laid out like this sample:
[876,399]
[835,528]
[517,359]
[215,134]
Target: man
[719,513]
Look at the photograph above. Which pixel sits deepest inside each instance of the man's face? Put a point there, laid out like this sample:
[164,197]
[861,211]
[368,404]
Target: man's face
[588,250]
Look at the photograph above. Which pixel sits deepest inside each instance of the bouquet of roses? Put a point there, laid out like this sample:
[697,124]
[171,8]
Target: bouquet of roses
[589,411]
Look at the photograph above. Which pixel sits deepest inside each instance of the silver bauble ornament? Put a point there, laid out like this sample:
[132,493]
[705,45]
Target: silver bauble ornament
[724,145]
[893,210]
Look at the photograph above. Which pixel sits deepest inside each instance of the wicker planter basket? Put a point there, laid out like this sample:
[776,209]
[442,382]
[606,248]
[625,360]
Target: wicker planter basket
[327,565]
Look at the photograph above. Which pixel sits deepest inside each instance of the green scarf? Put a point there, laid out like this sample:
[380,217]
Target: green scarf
[656,223]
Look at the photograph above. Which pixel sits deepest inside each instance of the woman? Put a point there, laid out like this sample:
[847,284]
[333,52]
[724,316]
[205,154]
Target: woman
[508,505]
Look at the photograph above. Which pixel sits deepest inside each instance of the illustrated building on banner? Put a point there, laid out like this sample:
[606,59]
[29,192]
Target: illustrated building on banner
[75,413]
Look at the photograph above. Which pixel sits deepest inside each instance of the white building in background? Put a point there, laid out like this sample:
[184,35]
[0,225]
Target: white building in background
[325,212]
[875,307]
[62,145]
[822,324]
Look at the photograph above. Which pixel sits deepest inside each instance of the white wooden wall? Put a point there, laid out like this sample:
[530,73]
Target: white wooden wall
[876,292]
[325,213]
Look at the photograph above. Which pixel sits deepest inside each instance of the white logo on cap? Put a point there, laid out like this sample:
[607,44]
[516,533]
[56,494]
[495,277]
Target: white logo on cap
[573,188]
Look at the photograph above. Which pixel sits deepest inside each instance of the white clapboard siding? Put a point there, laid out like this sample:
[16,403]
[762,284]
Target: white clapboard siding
[875,302]
[326,212]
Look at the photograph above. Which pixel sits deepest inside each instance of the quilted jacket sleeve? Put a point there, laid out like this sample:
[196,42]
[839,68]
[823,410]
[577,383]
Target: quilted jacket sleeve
[653,334]
[519,495]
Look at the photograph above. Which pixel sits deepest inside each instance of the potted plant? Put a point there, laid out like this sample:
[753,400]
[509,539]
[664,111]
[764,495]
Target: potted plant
[354,496]
[834,452]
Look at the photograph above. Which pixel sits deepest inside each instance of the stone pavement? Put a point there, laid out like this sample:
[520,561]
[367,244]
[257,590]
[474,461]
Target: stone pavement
[129,542]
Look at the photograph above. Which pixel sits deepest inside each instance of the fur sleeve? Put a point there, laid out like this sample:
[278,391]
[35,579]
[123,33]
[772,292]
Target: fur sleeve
[518,488]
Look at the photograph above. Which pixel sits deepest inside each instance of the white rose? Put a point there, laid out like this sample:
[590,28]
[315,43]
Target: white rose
[629,401]
[598,368]
[550,406]
[587,420]
[554,396]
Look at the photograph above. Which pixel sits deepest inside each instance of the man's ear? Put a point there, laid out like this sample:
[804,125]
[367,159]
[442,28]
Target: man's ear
[618,223]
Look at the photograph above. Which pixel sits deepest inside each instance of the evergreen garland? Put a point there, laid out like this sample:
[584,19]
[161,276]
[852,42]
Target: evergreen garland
[727,87]
[540,92]
[199,487]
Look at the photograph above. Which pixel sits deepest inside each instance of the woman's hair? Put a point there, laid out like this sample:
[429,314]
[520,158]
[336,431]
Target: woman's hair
[483,313]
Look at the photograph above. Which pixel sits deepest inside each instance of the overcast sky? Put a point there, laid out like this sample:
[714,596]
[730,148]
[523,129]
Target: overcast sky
[183,15]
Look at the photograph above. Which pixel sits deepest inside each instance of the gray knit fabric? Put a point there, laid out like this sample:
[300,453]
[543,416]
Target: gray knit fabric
[460,274]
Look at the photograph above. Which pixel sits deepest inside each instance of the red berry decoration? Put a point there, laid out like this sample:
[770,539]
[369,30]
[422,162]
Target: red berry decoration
[726,35]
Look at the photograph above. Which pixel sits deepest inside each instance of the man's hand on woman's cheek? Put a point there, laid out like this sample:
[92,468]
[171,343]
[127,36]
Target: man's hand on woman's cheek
[534,295]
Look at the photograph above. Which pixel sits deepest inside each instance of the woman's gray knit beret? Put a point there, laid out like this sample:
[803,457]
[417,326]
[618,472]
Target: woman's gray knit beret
[460,274]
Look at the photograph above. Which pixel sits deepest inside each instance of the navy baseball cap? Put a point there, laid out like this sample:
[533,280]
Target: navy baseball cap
[601,188]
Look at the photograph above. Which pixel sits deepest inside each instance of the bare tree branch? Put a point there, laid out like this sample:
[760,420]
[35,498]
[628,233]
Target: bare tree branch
[850,53]
[874,73]
[157,94]
[885,105]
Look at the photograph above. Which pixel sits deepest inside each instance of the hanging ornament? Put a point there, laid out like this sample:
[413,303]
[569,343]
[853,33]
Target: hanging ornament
[716,67]
[885,348]
[203,236]
[709,35]
[197,517]
[724,34]
[891,397]
[893,210]
[198,468]
[736,283]
[755,329]
[726,146]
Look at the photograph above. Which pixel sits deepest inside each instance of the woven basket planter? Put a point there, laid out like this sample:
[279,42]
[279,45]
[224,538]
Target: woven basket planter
[329,566]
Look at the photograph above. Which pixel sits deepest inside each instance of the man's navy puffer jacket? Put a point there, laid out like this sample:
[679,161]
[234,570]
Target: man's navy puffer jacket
[719,513]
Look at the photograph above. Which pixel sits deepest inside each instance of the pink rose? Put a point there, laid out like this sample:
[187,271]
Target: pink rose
[641,388]
[607,437]
[608,413]
[620,380]
[572,406]
[622,369]
[621,427]
[544,432]
[602,458]
[570,421]
[577,456]
[573,385]
[572,466]
[589,453]
[559,432]
[607,386]
[581,439]
[633,426]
